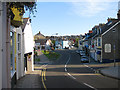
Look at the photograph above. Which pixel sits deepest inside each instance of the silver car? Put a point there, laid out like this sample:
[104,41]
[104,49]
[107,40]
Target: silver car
[82,53]
[84,59]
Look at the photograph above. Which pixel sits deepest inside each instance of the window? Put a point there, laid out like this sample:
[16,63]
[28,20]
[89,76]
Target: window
[12,53]
[18,40]
[99,42]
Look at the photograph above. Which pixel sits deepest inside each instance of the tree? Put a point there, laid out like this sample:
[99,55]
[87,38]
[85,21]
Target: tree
[76,42]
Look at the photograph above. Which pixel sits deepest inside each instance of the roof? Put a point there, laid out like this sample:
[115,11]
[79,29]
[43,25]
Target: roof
[115,24]
[24,23]
[41,36]
[41,41]
[108,25]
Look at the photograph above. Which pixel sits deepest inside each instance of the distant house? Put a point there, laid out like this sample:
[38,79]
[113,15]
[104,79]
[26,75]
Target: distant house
[40,43]
[48,44]
[39,36]
[58,44]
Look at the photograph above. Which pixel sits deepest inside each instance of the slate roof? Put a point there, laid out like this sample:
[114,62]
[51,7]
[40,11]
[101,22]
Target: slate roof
[24,23]
[108,25]
[41,41]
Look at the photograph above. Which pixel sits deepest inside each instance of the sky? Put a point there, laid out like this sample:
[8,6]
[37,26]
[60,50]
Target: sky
[71,18]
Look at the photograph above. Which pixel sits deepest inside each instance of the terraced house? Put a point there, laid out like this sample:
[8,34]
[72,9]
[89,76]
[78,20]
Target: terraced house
[103,44]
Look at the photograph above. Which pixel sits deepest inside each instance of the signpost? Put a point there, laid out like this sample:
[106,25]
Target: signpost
[114,47]
[114,55]
[89,53]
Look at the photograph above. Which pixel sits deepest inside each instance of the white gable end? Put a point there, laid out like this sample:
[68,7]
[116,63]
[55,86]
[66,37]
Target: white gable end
[28,37]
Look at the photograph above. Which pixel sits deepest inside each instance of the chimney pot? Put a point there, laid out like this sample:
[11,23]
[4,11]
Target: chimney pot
[118,14]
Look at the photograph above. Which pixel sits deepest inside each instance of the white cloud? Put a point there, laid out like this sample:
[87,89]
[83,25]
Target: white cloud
[89,8]
[74,0]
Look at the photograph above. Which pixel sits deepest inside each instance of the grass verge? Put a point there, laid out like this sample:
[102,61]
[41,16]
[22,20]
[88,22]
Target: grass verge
[37,59]
[51,55]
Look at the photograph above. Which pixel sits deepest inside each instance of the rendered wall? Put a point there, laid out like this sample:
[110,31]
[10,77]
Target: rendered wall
[0,47]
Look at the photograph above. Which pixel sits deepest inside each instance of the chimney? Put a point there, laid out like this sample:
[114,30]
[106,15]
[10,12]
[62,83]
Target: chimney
[109,19]
[39,32]
[118,15]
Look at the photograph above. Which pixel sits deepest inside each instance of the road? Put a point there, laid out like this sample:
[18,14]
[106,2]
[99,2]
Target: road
[69,72]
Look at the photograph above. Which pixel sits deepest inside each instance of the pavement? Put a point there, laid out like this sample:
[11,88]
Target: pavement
[108,69]
[112,72]
[32,78]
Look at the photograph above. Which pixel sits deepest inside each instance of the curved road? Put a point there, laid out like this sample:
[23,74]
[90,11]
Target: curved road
[69,72]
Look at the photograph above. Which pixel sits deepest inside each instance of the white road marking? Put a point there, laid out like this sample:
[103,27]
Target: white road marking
[86,65]
[90,86]
[71,76]
[65,69]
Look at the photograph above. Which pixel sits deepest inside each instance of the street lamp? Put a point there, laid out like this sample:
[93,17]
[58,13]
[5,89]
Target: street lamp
[114,49]
[89,53]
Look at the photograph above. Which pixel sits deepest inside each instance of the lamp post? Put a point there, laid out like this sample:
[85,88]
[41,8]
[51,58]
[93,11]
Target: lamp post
[89,53]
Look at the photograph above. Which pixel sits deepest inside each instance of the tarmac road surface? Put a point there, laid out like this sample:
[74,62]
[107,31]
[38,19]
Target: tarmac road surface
[69,72]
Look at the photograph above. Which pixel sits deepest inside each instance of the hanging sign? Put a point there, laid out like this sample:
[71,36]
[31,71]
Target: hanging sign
[16,16]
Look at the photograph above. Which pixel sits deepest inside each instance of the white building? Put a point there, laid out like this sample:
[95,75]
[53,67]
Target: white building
[48,43]
[17,53]
[28,44]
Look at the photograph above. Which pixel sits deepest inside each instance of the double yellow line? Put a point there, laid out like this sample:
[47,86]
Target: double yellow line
[44,78]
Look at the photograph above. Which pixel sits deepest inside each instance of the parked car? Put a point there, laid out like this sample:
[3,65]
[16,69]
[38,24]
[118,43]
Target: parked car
[82,53]
[84,59]
[78,51]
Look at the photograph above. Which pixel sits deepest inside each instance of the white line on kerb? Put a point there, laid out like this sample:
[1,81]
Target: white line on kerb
[65,65]
[90,86]
[86,65]
[90,67]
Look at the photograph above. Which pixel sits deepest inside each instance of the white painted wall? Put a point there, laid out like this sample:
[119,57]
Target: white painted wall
[65,44]
[0,47]
[6,79]
[20,53]
[22,60]
[28,37]
[29,41]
